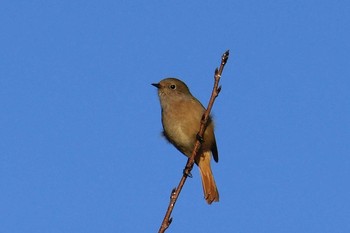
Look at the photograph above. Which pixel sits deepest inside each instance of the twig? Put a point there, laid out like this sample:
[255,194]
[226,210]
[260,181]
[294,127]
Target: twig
[190,162]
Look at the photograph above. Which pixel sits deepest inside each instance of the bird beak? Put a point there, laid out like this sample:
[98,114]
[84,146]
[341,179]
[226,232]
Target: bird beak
[157,85]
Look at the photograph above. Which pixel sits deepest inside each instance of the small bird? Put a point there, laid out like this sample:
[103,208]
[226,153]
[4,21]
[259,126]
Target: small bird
[181,117]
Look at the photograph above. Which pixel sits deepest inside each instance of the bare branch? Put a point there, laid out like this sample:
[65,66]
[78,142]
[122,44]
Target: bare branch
[190,162]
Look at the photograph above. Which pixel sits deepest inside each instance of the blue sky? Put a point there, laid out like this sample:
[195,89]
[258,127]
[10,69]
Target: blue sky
[80,142]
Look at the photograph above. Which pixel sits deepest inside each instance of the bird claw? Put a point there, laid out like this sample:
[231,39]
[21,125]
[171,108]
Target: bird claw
[187,172]
[200,138]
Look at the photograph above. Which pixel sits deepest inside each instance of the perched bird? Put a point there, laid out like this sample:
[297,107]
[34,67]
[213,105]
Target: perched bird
[181,117]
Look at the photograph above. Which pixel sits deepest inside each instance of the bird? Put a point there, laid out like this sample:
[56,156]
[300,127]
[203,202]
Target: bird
[181,117]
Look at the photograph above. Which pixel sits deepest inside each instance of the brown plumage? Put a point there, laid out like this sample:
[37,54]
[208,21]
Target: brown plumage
[181,117]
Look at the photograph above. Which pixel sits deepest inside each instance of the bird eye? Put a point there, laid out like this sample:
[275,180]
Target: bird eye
[173,86]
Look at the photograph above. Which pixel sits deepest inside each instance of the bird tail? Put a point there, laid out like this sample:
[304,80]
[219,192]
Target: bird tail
[209,187]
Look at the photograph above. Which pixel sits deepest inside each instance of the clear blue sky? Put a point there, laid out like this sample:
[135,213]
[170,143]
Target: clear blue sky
[80,143]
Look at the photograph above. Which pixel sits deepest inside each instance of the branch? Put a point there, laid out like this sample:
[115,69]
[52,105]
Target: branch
[190,162]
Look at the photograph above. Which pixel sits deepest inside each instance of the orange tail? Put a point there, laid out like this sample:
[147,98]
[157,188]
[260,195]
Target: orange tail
[209,187]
